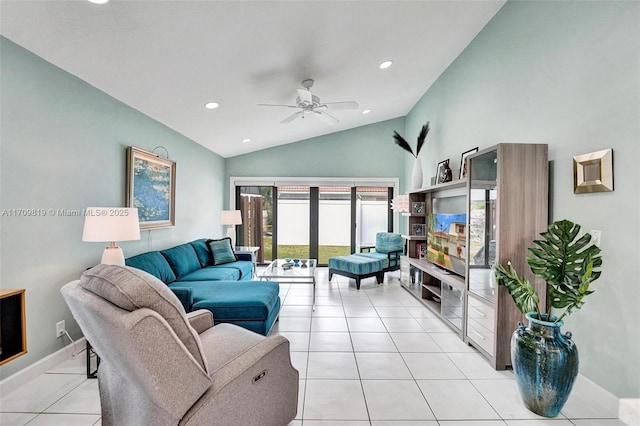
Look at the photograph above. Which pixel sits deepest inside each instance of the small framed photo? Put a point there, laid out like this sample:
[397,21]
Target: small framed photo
[417,207]
[443,173]
[463,162]
[418,230]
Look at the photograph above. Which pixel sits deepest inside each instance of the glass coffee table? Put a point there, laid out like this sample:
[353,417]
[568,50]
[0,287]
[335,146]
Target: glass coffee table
[303,273]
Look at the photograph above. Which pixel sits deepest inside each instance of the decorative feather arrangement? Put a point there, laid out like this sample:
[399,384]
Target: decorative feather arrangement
[402,143]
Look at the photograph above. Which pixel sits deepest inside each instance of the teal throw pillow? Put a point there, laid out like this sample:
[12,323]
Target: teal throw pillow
[221,251]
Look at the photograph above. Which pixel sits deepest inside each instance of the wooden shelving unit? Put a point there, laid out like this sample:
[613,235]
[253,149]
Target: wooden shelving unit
[505,197]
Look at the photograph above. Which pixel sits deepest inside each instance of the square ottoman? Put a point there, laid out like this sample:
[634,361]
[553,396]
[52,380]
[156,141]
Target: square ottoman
[357,267]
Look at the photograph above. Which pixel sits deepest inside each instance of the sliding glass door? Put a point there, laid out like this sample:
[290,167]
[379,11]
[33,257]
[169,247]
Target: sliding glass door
[334,222]
[372,214]
[256,205]
[293,207]
[305,221]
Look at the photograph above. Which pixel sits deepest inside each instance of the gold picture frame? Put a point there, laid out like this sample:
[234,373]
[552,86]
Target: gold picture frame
[593,172]
[151,187]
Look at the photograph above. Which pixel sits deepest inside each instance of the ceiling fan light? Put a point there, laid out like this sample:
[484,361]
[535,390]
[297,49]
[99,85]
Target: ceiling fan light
[386,64]
[98,1]
[211,105]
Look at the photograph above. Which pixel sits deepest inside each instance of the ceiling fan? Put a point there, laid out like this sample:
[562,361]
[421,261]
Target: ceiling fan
[310,104]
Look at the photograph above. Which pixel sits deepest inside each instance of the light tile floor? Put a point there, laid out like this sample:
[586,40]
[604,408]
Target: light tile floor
[370,357]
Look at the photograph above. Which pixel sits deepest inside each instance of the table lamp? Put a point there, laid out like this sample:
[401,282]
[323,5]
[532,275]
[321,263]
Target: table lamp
[111,224]
[231,218]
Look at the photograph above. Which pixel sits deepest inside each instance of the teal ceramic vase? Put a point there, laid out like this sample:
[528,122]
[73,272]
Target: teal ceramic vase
[545,363]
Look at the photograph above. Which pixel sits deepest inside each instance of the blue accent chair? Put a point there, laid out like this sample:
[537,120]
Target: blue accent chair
[385,257]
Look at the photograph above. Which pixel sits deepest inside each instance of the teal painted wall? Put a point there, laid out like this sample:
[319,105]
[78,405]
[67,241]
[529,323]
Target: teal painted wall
[366,151]
[64,147]
[566,74]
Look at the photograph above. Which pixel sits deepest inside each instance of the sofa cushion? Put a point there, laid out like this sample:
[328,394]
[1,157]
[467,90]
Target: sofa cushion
[221,251]
[254,305]
[231,301]
[387,241]
[383,257]
[202,250]
[244,267]
[182,259]
[357,264]
[213,273]
[154,263]
[131,289]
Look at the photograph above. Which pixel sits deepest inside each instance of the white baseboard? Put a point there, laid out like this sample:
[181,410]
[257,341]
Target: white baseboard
[40,367]
[629,411]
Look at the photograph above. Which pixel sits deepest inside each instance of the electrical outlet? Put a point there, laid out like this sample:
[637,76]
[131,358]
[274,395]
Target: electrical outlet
[595,236]
[60,328]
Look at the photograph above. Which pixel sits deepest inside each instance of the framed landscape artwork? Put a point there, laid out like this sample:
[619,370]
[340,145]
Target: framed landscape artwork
[151,186]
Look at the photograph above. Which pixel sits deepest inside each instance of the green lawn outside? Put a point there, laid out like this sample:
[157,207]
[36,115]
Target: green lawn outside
[302,252]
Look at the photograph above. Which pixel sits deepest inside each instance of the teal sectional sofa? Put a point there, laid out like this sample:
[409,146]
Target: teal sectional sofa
[227,290]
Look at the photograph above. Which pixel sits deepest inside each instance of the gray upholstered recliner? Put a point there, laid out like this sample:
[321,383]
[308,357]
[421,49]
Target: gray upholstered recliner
[160,366]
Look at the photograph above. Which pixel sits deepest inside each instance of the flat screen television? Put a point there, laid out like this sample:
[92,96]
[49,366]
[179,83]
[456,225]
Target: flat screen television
[446,241]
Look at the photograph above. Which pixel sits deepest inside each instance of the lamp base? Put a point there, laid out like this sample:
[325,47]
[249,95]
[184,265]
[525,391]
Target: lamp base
[231,233]
[112,255]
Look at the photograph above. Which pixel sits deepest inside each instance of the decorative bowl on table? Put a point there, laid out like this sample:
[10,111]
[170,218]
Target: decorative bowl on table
[288,259]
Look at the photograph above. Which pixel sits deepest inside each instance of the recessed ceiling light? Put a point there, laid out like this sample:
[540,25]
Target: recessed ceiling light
[386,64]
[246,140]
[211,105]
[98,1]
[366,111]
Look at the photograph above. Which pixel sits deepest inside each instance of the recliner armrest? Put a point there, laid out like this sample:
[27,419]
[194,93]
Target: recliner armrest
[201,320]
[185,295]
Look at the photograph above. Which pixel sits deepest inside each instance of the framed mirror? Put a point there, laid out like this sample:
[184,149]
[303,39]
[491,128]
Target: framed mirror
[593,172]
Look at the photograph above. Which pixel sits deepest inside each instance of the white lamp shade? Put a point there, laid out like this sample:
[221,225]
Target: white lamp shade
[231,217]
[107,224]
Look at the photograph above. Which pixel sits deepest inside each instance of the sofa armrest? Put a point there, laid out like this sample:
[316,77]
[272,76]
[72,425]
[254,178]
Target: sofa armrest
[185,295]
[201,320]
[244,256]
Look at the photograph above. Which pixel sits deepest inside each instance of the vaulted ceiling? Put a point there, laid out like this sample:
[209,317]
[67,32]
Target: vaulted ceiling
[168,58]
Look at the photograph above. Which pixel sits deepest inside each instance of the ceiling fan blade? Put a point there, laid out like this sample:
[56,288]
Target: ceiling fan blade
[286,106]
[341,105]
[292,117]
[305,96]
[327,118]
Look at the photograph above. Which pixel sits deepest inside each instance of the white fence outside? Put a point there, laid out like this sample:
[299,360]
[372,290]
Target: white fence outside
[334,222]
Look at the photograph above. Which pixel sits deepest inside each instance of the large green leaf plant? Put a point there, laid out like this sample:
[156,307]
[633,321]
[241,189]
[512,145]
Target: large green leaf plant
[565,261]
